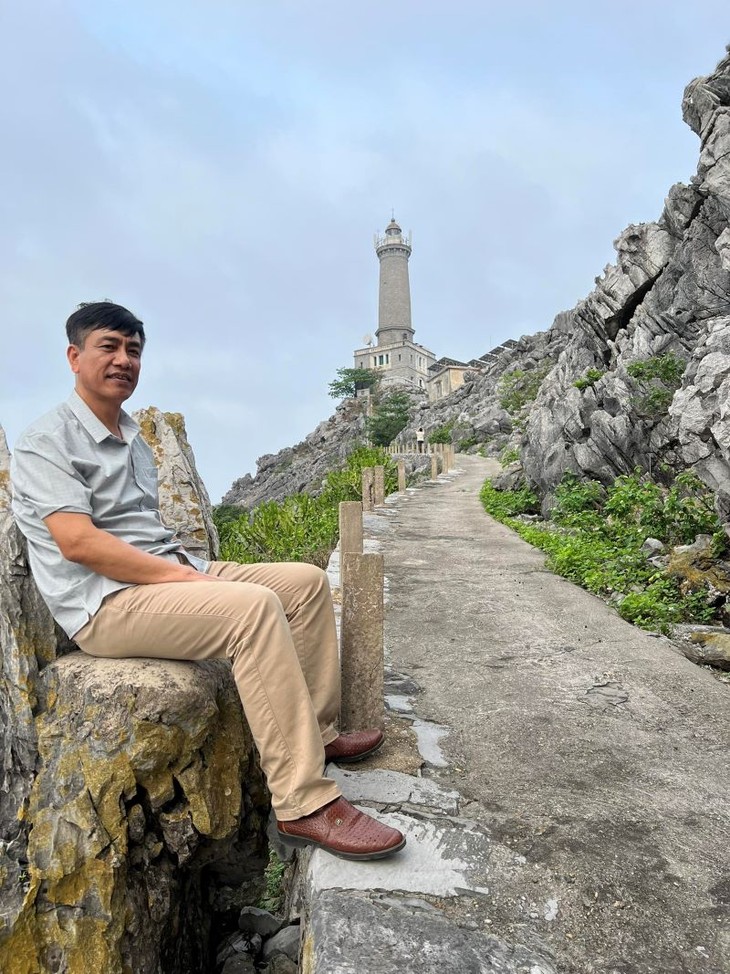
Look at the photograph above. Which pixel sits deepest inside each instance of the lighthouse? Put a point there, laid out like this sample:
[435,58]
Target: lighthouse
[396,356]
[394,304]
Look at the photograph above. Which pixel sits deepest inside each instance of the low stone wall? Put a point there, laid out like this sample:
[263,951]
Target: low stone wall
[131,793]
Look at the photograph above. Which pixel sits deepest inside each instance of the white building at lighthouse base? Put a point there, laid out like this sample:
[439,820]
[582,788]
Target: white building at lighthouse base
[403,363]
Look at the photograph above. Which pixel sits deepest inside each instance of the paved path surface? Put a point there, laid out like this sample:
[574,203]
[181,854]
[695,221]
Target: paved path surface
[567,800]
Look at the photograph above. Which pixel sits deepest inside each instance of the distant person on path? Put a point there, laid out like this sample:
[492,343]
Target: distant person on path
[121,585]
[420,439]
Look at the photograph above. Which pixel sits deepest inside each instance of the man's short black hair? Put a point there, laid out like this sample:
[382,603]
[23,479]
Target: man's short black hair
[92,315]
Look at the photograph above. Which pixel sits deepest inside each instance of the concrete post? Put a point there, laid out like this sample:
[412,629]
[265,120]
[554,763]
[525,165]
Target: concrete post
[401,476]
[361,642]
[350,528]
[367,488]
[378,486]
[434,466]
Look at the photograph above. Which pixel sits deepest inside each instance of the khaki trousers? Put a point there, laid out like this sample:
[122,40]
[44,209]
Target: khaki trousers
[276,624]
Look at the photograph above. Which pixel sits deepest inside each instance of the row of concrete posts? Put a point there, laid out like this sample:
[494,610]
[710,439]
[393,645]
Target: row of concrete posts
[363,616]
[446,451]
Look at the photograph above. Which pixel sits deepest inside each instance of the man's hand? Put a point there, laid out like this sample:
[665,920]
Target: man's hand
[80,541]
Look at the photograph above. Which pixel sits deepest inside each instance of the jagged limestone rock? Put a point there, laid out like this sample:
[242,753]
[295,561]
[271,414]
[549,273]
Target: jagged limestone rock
[701,413]
[304,466]
[139,786]
[668,293]
[130,790]
[705,645]
[27,642]
[184,501]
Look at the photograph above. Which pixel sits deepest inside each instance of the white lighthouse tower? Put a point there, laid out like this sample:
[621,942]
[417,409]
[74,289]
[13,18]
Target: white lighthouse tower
[399,359]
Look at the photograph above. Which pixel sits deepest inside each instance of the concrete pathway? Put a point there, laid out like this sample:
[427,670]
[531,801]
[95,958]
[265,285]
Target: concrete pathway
[562,776]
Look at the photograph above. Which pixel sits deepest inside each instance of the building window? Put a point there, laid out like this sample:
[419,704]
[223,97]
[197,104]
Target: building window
[380,360]
[387,358]
[399,358]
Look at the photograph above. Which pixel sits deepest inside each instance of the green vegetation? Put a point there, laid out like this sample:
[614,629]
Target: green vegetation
[299,528]
[442,434]
[658,377]
[302,527]
[508,455]
[589,379]
[595,536]
[348,381]
[272,899]
[664,368]
[504,505]
[518,388]
[389,418]
[466,443]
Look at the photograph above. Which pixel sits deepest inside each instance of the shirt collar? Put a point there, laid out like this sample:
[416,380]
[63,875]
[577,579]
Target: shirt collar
[94,426]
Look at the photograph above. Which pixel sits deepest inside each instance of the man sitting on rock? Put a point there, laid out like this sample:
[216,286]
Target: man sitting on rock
[121,585]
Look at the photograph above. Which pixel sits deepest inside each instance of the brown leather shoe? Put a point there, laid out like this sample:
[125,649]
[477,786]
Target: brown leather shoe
[355,746]
[343,830]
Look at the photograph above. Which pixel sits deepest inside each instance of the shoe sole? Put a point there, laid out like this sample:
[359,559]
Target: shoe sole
[355,758]
[297,842]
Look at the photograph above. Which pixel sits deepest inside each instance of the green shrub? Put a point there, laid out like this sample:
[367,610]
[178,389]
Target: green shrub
[589,379]
[466,444]
[595,538]
[518,388]
[302,527]
[389,418]
[346,484]
[502,504]
[224,514]
[299,528]
[272,898]
[664,368]
[576,495]
[508,455]
[658,377]
[442,434]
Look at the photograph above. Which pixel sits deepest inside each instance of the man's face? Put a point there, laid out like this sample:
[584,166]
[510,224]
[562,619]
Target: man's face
[107,366]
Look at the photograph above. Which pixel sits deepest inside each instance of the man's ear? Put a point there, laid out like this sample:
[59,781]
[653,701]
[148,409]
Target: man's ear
[72,354]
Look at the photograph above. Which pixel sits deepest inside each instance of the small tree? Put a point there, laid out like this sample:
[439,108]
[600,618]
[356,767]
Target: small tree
[389,418]
[442,434]
[348,381]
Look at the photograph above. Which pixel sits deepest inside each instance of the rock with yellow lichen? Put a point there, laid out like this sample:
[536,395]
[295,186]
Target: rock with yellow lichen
[706,645]
[138,795]
[131,795]
[27,642]
[184,500]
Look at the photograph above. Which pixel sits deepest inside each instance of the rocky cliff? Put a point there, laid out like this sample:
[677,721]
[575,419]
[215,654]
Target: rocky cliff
[666,299]
[636,375]
[131,795]
[304,466]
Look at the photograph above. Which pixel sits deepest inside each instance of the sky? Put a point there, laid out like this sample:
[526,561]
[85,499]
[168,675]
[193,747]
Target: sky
[221,168]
